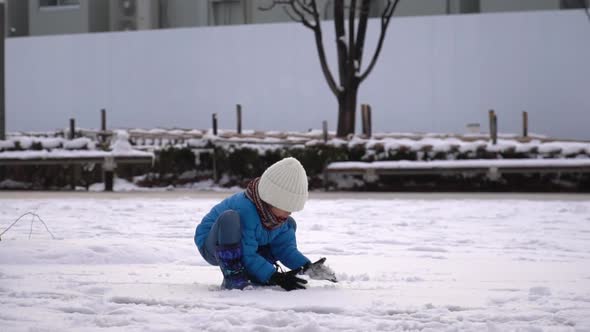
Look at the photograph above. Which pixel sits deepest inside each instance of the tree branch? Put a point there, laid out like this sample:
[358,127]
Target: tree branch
[385,19]
[302,19]
[273,4]
[305,7]
[341,48]
[362,32]
[291,16]
[351,46]
[321,52]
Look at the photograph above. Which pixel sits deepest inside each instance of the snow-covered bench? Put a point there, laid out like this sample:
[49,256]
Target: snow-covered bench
[493,168]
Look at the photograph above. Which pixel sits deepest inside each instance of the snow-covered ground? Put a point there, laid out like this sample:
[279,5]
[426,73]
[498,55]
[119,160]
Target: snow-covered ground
[411,262]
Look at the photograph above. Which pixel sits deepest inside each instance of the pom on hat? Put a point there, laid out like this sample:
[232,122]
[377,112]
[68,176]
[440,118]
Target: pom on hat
[284,185]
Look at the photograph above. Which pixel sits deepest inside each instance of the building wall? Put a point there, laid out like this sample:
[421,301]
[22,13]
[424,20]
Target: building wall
[274,15]
[422,7]
[142,15]
[325,9]
[60,20]
[94,15]
[183,13]
[517,5]
[17,17]
[277,14]
[99,18]
[227,12]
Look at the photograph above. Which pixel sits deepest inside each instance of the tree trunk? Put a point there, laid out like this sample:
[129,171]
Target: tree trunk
[347,112]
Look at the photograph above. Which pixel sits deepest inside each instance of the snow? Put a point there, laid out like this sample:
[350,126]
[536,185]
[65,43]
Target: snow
[52,143]
[121,145]
[122,185]
[449,164]
[6,144]
[25,141]
[60,154]
[406,262]
[118,185]
[446,144]
[11,184]
[79,143]
[264,141]
[82,147]
[56,153]
[344,41]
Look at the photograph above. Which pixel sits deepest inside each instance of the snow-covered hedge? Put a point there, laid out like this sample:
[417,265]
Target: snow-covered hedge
[185,157]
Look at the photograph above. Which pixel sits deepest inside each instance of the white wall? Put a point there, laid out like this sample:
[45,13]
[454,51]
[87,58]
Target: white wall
[435,74]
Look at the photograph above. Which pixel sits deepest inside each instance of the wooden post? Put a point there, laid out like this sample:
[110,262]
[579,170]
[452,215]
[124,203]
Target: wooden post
[239,116]
[70,171]
[525,124]
[108,169]
[103,125]
[493,126]
[366,120]
[108,180]
[214,117]
[72,133]
[491,122]
[76,173]
[325,130]
[2,74]
[370,119]
[103,120]
[214,159]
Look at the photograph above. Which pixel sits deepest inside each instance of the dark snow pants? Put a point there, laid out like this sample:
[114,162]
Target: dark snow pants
[226,231]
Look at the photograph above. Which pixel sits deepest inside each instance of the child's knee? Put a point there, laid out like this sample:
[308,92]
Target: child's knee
[230,215]
[229,229]
[229,219]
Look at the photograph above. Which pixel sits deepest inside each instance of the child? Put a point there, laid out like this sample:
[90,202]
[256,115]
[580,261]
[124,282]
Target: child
[248,232]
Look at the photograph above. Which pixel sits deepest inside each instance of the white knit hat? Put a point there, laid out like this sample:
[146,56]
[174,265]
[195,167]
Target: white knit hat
[284,185]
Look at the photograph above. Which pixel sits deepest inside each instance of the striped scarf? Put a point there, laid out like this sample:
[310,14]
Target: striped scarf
[269,220]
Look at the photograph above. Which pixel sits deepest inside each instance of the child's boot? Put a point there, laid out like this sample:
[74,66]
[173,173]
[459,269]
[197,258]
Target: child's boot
[230,262]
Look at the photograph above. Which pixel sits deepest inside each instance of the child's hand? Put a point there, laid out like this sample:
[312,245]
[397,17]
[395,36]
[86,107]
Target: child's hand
[288,280]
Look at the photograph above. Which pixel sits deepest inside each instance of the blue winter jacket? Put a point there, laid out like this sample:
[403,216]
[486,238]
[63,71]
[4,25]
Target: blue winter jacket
[281,240]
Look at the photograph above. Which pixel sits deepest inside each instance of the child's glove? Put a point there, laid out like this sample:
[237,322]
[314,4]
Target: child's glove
[319,271]
[288,280]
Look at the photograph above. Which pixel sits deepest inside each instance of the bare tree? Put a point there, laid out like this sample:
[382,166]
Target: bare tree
[350,41]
